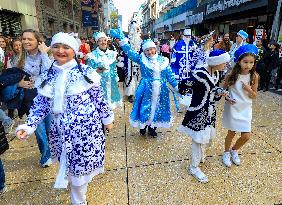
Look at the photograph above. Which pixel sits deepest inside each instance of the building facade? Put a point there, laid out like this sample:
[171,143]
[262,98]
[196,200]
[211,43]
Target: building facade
[16,16]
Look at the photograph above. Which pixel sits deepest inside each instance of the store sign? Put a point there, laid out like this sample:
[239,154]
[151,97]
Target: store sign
[259,34]
[195,19]
[222,5]
[89,14]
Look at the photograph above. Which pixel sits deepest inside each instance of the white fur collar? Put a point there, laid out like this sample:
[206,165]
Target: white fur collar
[67,65]
[150,63]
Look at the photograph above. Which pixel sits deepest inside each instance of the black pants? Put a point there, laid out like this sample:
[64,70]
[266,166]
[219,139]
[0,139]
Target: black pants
[265,79]
[279,78]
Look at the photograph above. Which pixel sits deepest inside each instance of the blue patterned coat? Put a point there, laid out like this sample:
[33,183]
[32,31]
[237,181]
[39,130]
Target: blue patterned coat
[109,77]
[183,58]
[151,103]
[199,120]
[78,129]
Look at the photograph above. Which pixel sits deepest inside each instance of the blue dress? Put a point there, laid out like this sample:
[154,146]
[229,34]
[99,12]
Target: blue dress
[151,103]
[184,57]
[109,77]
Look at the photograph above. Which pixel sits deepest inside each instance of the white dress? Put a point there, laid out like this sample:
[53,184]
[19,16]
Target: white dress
[238,117]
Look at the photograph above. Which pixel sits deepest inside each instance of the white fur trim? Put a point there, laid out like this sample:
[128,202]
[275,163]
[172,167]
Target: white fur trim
[146,61]
[100,35]
[140,125]
[123,42]
[148,44]
[202,136]
[217,60]
[120,64]
[28,129]
[115,104]
[187,32]
[108,120]
[66,39]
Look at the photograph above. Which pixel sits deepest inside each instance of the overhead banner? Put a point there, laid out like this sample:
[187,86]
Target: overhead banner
[90,13]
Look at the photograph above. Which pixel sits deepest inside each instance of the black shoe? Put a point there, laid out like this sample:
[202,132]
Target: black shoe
[143,131]
[152,132]
[130,99]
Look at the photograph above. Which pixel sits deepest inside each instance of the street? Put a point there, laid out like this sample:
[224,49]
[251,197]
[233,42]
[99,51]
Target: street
[143,170]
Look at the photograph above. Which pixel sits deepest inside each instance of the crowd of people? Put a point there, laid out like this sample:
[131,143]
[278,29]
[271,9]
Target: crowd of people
[69,90]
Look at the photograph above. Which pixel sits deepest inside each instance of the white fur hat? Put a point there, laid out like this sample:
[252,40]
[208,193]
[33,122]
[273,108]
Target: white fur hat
[148,44]
[98,35]
[65,38]
[217,57]
[187,32]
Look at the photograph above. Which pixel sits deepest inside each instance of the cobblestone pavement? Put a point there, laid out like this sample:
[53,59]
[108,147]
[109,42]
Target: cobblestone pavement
[143,170]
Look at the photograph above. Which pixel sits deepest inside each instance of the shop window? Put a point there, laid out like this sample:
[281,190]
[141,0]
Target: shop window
[49,3]
[51,28]
[65,27]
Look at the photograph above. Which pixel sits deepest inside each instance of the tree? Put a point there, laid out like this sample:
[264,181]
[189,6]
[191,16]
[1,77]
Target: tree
[114,19]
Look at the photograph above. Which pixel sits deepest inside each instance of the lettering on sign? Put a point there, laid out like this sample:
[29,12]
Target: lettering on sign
[222,5]
[195,19]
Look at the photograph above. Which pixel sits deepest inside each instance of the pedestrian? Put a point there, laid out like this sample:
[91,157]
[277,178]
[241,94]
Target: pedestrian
[71,92]
[271,63]
[34,61]
[199,120]
[4,45]
[151,106]
[260,64]
[225,43]
[104,61]
[240,41]
[279,72]
[4,146]
[16,53]
[84,49]
[165,49]
[242,84]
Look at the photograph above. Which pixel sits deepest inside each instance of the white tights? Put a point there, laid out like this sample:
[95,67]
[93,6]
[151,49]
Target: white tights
[78,194]
[198,153]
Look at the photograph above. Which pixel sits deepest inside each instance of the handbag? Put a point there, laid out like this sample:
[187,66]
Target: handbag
[4,145]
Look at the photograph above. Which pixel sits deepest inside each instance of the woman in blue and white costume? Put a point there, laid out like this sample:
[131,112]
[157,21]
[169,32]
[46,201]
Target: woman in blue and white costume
[104,61]
[204,50]
[151,107]
[71,92]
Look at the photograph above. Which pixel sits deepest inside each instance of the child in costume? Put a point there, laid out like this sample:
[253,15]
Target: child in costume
[104,61]
[242,84]
[199,120]
[151,107]
[71,92]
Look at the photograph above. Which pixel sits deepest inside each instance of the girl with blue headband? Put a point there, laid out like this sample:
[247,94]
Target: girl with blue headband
[242,84]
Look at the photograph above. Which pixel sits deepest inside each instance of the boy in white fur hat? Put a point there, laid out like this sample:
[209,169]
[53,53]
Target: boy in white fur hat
[104,61]
[71,92]
[199,120]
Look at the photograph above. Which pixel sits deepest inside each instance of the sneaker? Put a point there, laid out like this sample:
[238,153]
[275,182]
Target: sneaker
[198,174]
[235,157]
[48,163]
[226,159]
[152,132]
[2,191]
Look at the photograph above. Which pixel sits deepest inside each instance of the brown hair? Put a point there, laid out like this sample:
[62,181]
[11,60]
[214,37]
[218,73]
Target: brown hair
[233,76]
[39,39]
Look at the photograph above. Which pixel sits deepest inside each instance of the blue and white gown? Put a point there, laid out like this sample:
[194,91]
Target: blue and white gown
[151,103]
[109,77]
[78,110]
[183,58]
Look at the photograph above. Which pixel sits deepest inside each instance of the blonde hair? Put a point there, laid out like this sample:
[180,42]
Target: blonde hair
[39,39]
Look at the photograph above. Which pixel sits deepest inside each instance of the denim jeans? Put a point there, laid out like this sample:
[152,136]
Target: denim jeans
[6,121]
[2,176]
[41,134]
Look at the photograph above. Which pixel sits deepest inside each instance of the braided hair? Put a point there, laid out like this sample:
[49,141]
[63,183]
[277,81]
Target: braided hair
[86,78]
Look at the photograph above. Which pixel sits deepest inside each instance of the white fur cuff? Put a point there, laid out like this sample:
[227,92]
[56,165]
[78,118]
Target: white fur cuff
[123,42]
[108,120]
[217,60]
[29,130]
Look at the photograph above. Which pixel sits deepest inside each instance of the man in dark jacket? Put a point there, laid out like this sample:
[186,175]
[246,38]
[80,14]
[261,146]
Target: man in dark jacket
[260,62]
[271,62]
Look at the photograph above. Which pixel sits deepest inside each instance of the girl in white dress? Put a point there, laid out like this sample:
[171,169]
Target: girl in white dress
[242,84]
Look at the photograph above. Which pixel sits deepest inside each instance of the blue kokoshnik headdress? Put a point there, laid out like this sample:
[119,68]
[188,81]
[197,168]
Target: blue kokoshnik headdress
[248,48]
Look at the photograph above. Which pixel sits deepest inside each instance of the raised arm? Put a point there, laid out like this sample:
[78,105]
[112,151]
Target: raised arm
[129,51]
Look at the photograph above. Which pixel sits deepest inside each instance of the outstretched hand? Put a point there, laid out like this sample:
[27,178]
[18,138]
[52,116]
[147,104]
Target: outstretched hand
[117,33]
[22,135]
